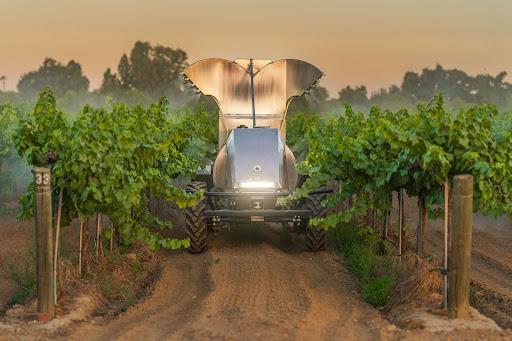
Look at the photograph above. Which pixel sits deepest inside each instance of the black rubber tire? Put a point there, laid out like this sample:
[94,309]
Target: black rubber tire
[196,222]
[316,238]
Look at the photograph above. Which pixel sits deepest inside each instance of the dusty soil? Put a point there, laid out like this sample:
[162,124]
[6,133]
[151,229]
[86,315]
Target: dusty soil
[17,247]
[255,283]
[491,260]
[15,241]
[491,266]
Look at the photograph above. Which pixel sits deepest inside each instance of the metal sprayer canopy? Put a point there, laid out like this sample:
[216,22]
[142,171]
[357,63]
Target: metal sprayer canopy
[229,83]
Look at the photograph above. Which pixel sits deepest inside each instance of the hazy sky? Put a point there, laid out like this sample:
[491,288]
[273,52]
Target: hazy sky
[352,42]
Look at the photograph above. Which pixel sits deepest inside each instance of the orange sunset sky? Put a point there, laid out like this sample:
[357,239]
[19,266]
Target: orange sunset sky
[353,42]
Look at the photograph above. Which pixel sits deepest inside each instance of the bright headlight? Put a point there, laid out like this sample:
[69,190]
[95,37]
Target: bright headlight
[257,184]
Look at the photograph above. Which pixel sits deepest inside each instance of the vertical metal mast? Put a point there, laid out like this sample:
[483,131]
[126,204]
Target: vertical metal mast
[251,72]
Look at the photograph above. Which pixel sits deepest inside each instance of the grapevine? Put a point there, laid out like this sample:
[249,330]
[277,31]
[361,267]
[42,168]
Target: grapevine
[373,155]
[109,160]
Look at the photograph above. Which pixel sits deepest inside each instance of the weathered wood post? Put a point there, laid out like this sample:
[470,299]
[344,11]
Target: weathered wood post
[83,248]
[385,225]
[422,226]
[459,262]
[44,243]
[98,236]
[57,243]
[444,272]
[400,222]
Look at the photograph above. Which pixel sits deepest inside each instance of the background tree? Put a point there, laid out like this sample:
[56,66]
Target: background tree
[110,82]
[154,70]
[317,100]
[354,96]
[60,78]
[455,84]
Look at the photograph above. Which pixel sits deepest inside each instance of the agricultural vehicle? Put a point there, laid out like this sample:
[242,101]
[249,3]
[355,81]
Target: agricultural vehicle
[254,166]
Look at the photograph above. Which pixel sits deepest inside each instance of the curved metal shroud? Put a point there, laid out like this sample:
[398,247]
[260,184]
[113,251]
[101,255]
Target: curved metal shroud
[275,84]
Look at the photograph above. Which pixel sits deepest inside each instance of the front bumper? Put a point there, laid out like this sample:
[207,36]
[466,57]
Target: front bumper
[259,213]
[254,206]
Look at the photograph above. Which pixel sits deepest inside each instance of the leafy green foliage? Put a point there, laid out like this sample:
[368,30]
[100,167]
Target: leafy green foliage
[42,132]
[502,124]
[108,161]
[11,167]
[201,130]
[373,155]
[377,290]
[8,118]
[298,126]
[360,249]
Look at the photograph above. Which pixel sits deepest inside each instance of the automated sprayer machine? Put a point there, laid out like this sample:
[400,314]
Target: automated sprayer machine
[254,166]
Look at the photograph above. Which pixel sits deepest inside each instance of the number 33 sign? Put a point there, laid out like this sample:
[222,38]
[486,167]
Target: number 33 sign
[42,179]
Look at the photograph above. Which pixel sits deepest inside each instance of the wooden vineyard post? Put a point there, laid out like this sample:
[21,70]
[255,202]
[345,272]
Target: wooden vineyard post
[44,243]
[460,257]
[98,236]
[445,247]
[83,251]
[400,222]
[57,243]
[385,225]
[112,236]
[422,225]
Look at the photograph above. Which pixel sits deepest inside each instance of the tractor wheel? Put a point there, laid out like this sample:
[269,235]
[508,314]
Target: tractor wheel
[196,224]
[316,238]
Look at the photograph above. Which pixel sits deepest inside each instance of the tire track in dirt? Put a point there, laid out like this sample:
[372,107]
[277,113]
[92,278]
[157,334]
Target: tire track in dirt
[267,287]
[255,283]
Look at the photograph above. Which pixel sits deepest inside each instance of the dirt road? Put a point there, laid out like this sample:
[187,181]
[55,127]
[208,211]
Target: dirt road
[253,284]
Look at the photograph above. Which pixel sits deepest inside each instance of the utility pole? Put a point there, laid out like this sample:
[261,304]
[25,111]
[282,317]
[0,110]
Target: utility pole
[3,78]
